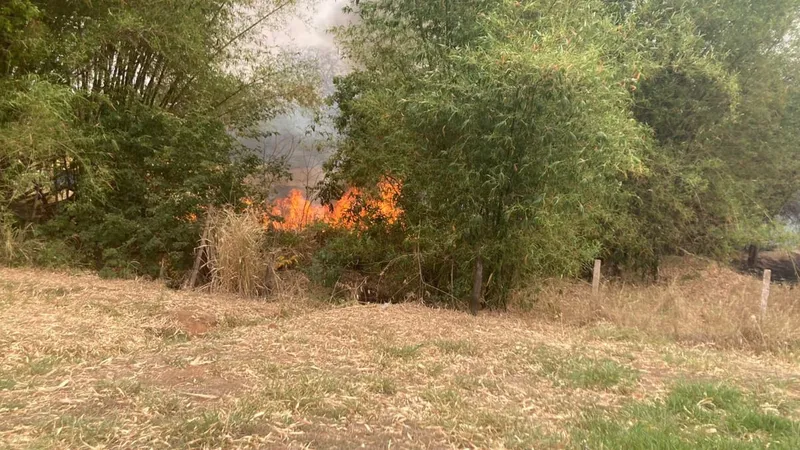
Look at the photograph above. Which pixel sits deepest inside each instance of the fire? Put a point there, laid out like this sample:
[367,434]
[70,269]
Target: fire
[296,212]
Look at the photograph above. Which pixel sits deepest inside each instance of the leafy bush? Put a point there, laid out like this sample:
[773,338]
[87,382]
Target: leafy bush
[532,137]
[114,138]
[344,252]
[507,156]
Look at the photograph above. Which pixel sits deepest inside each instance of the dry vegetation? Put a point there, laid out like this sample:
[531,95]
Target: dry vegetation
[237,258]
[86,362]
[695,302]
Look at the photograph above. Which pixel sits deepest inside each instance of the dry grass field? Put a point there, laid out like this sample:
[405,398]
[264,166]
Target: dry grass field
[91,363]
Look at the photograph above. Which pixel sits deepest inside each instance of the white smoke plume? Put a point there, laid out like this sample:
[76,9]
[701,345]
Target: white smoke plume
[306,32]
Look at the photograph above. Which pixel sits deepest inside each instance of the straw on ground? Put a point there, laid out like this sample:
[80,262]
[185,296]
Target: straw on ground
[86,363]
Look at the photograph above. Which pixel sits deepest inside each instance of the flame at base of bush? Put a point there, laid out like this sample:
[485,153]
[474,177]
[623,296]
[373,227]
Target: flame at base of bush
[296,212]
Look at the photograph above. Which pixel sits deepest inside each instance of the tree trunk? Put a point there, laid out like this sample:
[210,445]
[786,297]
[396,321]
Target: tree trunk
[752,256]
[477,287]
[654,269]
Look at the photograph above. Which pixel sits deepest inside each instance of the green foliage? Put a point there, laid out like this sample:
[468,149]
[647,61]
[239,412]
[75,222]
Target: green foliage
[719,98]
[583,372]
[506,137]
[461,348]
[535,136]
[16,16]
[403,352]
[364,252]
[693,416]
[36,128]
[117,120]
[164,168]
[532,136]
[20,246]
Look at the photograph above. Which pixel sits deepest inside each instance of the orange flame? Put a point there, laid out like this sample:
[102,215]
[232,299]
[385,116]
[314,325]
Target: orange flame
[353,202]
[296,212]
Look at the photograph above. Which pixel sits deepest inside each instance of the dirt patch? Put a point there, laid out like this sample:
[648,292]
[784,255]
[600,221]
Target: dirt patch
[195,323]
[366,436]
[197,382]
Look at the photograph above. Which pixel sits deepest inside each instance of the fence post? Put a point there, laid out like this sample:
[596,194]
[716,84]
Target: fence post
[765,292]
[596,278]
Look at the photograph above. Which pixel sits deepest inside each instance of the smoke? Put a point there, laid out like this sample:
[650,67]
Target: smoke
[309,28]
[307,32]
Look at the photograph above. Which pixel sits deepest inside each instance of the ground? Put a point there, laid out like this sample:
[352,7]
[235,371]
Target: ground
[86,362]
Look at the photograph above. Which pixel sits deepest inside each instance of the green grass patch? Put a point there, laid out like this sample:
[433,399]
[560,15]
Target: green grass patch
[80,431]
[469,428]
[471,382]
[42,366]
[583,372]
[52,293]
[514,432]
[128,387]
[231,321]
[435,369]
[6,384]
[602,374]
[442,397]
[11,405]
[461,348]
[693,416]
[302,392]
[383,386]
[172,336]
[215,428]
[400,352]
[608,332]
[107,309]
[165,404]
[312,394]
[689,360]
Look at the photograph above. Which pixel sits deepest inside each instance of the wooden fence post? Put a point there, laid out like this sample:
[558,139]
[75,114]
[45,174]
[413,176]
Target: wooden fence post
[477,286]
[765,292]
[596,277]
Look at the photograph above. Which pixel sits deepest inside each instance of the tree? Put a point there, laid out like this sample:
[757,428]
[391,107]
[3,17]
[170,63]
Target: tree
[530,137]
[506,126]
[15,16]
[719,98]
[150,93]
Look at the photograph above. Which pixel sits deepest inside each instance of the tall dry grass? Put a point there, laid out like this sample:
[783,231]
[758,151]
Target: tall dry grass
[242,258]
[239,260]
[17,245]
[696,301]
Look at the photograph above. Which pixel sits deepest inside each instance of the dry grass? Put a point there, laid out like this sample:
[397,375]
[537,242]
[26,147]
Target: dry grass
[16,244]
[238,258]
[93,363]
[695,302]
